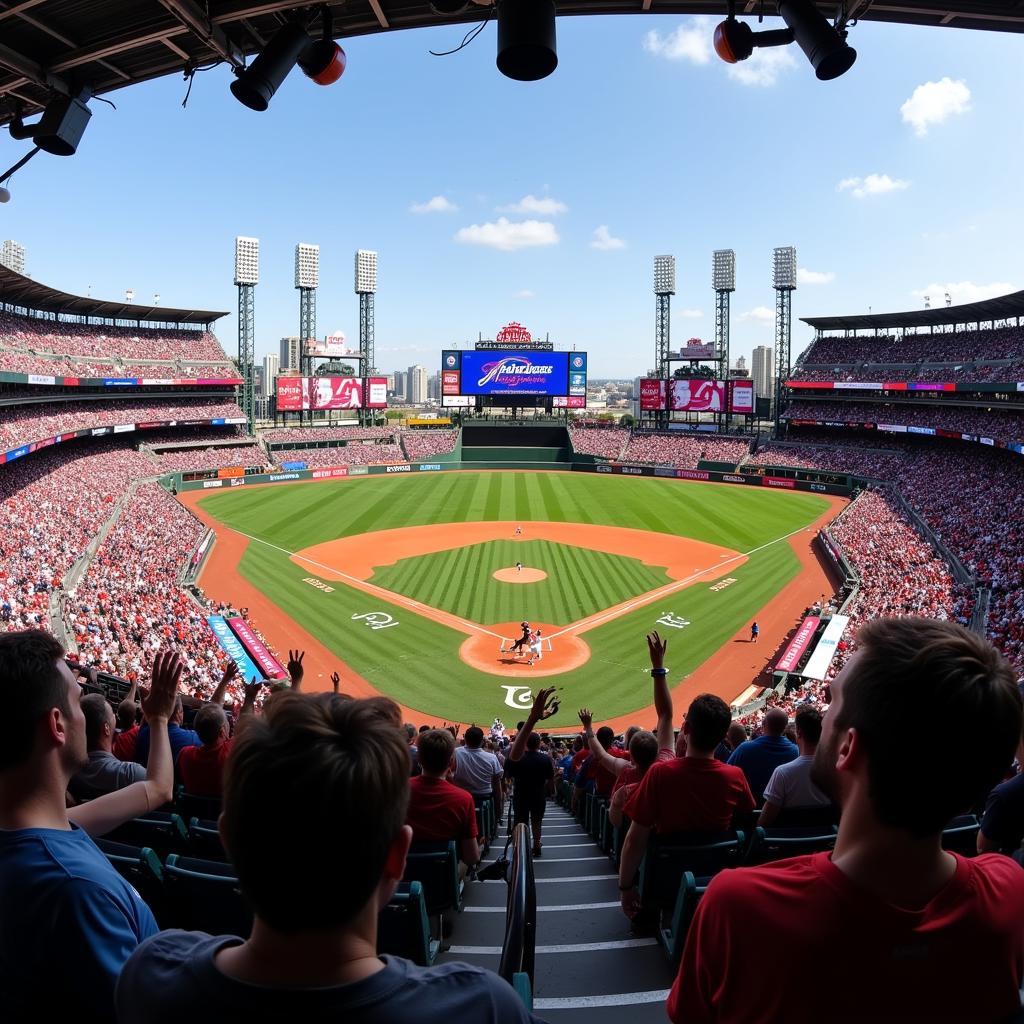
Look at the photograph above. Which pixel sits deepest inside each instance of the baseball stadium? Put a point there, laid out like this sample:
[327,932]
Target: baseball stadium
[498,687]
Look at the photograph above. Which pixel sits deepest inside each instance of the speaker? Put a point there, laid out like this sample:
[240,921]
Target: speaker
[527,50]
[60,129]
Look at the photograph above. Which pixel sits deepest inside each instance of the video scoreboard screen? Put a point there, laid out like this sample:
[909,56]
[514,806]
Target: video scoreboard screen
[509,373]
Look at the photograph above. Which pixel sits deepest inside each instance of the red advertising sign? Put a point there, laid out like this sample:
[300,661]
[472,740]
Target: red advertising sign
[652,394]
[569,402]
[451,382]
[696,395]
[693,474]
[741,399]
[324,474]
[295,393]
[268,664]
[513,332]
[697,349]
[778,481]
[376,392]
[799,644]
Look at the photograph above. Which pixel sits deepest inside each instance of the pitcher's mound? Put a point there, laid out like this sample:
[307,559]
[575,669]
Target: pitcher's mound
[514,575]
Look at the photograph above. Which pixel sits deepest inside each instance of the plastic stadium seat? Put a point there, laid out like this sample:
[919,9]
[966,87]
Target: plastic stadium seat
[189,806]
[801,817]
[521,983]
[436,867]
[161,831]
[203,895]
[961,835]
[403,928]
[669,857]
[673,936]
[204,840]
[141,867]
[772,843]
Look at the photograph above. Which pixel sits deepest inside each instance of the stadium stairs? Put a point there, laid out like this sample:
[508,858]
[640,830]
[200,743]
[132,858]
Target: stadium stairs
[589,965]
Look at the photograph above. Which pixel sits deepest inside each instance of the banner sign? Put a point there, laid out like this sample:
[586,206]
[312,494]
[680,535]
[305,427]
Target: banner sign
[332,345]
[334,471]
[271,667]
[450,382]
[298,393]
[799,644]
[231,645]
[741,397]
[817,666]
[569,402]
[696,395]
[652,394]
[376,392]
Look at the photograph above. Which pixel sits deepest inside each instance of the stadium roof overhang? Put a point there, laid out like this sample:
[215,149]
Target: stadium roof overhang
[61,46]
[23,291]
[1004,307]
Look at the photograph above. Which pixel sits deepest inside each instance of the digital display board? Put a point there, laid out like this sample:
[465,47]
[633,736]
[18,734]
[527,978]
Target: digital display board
[298,393]
[521,373]
[696,395]
[652,394]
[741,397]
[376,392]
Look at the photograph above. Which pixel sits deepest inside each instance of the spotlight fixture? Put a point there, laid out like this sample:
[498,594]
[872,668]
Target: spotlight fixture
[61,127]
[823,44]
[321,60]
[526,39]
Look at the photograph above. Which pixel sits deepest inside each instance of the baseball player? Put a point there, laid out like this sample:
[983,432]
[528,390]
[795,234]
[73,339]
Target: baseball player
[517,647]
[755,629]
[535,647]
[519,566]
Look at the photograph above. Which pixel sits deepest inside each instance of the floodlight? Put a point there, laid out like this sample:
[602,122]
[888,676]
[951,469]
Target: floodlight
[784,268]
[526,39]
[723,270]
[664,275]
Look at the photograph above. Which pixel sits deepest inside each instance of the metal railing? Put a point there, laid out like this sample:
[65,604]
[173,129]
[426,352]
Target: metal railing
[517,953]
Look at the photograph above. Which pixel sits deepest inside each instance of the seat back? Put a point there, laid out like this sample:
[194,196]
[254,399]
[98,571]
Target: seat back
[806,817]
[669,857]
[204,840]
[436,867]
[403,929]
[189,806]
[140,867]
[777,843]
[203,895]
[164,833]
[961,835]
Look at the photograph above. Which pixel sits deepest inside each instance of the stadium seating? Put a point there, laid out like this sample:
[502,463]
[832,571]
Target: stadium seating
[684,450]
[186,459]
[427,444]
[604,441]
[357,454]
[997,343]
[328,434]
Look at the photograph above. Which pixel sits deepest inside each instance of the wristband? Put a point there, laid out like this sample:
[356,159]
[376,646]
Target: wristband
[659,671]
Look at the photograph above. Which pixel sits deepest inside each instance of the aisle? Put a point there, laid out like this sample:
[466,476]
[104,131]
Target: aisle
[589,965]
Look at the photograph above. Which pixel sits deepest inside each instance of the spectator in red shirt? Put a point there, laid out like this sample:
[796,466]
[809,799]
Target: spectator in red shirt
[127,726]
[439,811]
[930,935]
[694,793]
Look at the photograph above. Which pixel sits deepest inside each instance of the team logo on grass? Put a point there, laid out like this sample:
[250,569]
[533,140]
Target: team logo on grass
[377,620]
[673,621]
[518,697]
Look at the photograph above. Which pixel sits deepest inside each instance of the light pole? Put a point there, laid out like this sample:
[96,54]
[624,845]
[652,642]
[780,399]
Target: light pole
[784,283]
[247,276]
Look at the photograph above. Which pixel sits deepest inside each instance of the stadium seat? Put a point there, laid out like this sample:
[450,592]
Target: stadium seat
[161,831]
[436,867]
[802,817]
[673,935]
[189,806]
[140,867]
[772,843]
[203,895]
[961,835]
[486,818]
[521,983]
[403,928]
[669,857]
[204,840]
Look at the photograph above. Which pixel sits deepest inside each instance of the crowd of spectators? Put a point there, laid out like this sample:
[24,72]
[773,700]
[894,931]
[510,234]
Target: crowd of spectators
[874,463]
[23,423]
[959,346]
[994,423]
[341,455]
[602,441]
[34,334]
[212,457]
[426,444]
[684,450]
[328,434]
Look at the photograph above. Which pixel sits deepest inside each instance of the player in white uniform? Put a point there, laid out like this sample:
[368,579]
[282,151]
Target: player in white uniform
[535,647]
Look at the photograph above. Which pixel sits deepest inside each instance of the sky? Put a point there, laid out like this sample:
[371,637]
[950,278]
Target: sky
[490,200]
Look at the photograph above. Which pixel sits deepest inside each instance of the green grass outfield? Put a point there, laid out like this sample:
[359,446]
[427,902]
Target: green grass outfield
[416,661]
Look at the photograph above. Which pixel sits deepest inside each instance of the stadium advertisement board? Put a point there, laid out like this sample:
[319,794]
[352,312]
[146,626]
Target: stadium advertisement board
[517,373]
[257,650]
[696,395]
[376,392]
[456,401]
[232,646]
[798,645]
[295,394]
[116,382]
[741,397]
[695,349]
[450,382]
[652,394]
[569,402]
[817,665]
[333,345]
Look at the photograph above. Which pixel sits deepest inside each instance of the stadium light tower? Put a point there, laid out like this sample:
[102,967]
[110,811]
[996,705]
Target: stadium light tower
[307,280]
[784,283]
[247,276]
[664,289]
[723,280]
[366,288]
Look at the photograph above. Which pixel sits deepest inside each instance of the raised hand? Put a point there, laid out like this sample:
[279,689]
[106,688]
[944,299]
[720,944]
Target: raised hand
[545,704]
[158,702]
[335,681]
[586,717]
[295,669]
[252,690]
[657,648]
[230,672]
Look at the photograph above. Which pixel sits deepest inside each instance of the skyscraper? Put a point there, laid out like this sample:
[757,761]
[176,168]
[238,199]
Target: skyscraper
[764,370]
[416,393]
[12,256]
[290,354]
[271,368]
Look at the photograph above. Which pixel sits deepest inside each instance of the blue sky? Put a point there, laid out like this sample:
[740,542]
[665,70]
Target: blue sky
[901,177]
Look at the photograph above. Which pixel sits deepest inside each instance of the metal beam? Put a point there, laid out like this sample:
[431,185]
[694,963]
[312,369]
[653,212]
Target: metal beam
[31,71]
[11,12]
[192,15]
[379,12]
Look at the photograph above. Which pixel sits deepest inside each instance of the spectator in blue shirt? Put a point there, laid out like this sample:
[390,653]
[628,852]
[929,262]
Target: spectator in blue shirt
[758,758]
[68,920]
[178,737]
[315,772]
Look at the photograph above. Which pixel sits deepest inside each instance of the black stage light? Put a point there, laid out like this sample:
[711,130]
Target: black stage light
[255,85]
[449,8]
[825,47]
[526,39]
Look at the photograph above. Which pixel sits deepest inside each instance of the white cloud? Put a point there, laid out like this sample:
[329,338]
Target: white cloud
[690,42]
[604,240]
[805,276]
[762,67]
[543,205]
[758,313]
[438,204]
[508,235]
[689,314]
[934,102]
[964,291]
[872,185]
[525,293]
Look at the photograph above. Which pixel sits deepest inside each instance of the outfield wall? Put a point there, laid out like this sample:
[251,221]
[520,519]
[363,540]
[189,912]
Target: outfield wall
[664,472]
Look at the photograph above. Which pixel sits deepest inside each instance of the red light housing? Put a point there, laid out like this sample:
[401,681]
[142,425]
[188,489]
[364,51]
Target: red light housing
[734,41]
[323,62]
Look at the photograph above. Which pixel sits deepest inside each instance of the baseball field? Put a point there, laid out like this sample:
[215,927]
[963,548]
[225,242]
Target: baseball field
[408,585]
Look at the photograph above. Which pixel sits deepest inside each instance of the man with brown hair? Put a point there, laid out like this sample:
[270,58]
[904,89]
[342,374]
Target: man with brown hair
[315,802]
[889,926]
[68,921]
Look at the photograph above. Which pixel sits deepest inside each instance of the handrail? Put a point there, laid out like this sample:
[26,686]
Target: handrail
[517,953]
